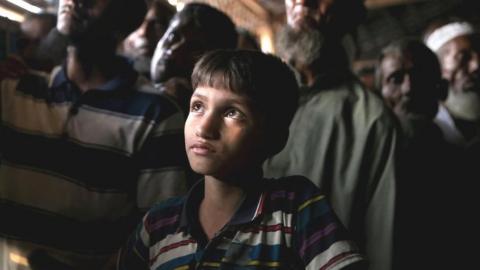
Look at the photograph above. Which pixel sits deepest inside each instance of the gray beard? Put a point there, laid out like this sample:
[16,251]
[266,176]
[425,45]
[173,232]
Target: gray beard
[300,47]
[464,105]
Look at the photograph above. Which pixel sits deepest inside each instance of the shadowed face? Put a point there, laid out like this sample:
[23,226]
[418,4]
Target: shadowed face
[407,86]
[460,66]
[222,133]
[74,16]
[142,42]
[177,51]
[312,13]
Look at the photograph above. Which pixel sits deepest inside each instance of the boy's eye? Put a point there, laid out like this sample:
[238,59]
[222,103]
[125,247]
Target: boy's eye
[235,114]
[196,107]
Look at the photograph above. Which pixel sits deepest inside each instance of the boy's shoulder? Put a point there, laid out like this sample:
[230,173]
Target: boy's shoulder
[164,216]
[293,183]
[171,204]
[296,189]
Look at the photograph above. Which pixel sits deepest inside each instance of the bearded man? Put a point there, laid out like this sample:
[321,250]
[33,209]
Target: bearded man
[342,136]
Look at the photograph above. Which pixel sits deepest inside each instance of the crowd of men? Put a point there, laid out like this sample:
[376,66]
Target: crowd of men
[92,112]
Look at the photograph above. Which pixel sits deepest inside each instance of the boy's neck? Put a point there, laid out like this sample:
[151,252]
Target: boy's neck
[219,204]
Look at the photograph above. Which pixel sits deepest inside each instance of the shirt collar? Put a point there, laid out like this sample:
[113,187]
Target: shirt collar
[125,76]
[251,207]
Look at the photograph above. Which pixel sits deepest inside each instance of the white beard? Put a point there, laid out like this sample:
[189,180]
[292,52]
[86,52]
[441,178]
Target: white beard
[464,106]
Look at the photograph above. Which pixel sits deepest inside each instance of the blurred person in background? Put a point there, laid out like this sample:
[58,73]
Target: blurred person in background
[410,81]
[193,31]
[30,55]
[84,153]
[140,45]
[457,45]
[342,137]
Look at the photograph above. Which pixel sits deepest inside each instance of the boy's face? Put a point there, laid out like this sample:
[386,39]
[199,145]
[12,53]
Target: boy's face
[223,133]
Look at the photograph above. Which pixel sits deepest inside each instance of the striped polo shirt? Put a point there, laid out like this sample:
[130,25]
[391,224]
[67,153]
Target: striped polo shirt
[284,224]
[76,167]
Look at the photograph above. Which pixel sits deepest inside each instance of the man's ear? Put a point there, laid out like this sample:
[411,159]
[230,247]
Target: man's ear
[442,89]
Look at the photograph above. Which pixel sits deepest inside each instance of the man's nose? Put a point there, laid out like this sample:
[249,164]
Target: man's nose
[142,30]
[406,86]
[473,64]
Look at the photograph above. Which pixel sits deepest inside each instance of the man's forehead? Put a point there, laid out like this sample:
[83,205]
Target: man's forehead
[465,42]
[391,63]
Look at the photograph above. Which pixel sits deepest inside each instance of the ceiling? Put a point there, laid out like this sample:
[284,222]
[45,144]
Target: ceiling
[271,8]
[263,17]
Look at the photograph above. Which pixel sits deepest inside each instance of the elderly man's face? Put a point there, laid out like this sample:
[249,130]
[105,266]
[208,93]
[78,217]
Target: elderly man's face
[310,13]
[408,86]
[460,64]
[75,15]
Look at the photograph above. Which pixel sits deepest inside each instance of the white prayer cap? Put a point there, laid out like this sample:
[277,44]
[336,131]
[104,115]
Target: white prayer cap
[445,33]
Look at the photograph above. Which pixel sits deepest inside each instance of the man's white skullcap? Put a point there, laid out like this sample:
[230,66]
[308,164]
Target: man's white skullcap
[445,33]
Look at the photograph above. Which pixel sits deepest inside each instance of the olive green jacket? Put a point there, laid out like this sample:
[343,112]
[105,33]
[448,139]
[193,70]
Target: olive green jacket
[344,139]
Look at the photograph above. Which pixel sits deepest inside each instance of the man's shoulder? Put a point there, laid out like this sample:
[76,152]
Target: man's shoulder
[350,99]
[155,107]
[349,91]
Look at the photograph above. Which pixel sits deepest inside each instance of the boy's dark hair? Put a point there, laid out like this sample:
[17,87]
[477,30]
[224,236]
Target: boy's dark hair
[216,25]
[265,79]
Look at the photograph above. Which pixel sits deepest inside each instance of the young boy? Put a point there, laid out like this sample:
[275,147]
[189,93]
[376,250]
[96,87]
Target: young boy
[239,115]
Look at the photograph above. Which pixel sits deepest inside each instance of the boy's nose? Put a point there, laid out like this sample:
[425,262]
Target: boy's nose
[207,128]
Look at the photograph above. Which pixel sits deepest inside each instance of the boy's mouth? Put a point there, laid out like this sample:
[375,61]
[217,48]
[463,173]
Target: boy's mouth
[202,148]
